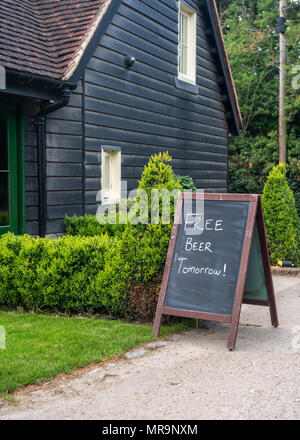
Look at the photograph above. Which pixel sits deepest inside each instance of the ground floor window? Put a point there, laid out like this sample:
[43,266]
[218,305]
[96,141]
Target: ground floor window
[111,174]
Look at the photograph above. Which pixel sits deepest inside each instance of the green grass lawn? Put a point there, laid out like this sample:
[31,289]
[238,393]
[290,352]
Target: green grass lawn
[39,347]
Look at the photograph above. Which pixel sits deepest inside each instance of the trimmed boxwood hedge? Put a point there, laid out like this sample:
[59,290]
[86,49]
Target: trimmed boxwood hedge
[89,274]
[88,226]
[69,274]
[105,272]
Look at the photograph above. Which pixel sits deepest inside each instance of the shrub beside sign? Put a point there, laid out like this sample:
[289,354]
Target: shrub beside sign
[217,259]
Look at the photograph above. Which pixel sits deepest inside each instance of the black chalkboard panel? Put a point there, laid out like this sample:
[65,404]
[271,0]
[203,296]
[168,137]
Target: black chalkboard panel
[205,267]
[217,259]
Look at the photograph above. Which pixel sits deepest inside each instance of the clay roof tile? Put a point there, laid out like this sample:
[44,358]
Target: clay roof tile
[47,37]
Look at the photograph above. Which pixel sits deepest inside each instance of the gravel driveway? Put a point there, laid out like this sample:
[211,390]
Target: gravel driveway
[191,376]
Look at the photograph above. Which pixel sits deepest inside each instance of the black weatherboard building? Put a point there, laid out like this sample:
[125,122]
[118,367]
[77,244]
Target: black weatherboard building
[93,88]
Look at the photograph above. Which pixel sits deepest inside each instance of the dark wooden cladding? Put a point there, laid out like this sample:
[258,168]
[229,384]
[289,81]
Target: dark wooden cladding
[64,163]
[64,166]
[143,110]
[114,98]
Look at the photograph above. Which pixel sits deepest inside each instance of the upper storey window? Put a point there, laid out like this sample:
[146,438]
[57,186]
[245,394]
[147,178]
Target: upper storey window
[187,44]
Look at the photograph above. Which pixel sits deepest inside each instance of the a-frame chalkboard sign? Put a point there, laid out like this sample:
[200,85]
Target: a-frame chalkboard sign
[217,259]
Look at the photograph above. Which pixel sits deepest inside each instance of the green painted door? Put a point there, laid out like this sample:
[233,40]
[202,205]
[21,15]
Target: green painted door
[9,185]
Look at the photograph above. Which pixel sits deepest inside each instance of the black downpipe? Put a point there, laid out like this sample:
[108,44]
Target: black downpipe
[40,123]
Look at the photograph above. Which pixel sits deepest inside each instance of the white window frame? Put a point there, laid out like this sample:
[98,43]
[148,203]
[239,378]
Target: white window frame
[191,15]
[111,184]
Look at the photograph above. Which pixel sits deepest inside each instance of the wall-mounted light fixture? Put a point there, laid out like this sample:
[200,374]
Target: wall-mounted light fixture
[129,61]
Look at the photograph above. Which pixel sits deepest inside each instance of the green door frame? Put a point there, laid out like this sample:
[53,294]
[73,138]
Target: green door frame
[13,114]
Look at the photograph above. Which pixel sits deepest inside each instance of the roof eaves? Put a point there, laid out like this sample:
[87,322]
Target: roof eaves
[73,65]
[226,64]
[88,47]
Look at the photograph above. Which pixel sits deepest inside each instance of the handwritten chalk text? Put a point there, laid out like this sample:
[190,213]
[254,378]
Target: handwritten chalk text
[194,270]
[197,222]
[197,246]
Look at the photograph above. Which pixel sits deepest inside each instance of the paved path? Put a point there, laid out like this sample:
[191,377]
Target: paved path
[193,376]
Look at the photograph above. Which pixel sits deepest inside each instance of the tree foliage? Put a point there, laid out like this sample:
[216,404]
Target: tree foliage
[252,40]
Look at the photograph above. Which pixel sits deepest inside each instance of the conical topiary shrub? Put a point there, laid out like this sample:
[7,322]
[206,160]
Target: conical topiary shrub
[281,218]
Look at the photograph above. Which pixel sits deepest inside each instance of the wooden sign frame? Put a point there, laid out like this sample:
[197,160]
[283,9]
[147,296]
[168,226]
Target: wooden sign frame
[255,215]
